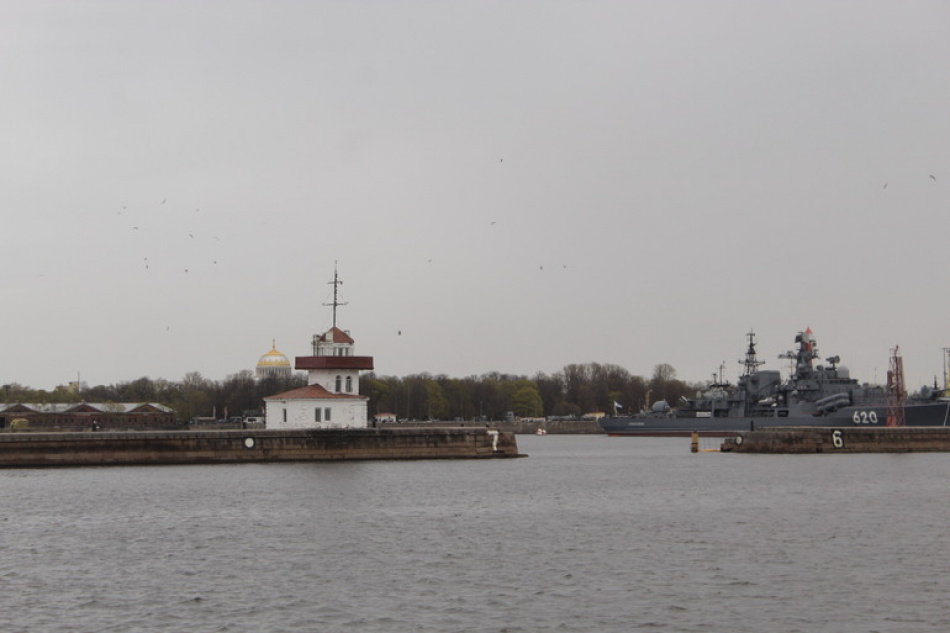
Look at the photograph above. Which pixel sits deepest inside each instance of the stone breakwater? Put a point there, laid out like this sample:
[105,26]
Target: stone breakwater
[519,427]
[209,447]
[841,440]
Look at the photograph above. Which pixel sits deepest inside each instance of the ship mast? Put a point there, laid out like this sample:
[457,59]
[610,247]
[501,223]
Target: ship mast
[751,363]
[336,283]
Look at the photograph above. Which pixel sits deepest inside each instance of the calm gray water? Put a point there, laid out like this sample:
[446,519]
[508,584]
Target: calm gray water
[587,534]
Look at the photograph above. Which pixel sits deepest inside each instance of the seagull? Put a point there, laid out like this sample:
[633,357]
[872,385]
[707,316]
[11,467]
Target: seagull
[885,185]
[932,177]
[399,333]
[163,201]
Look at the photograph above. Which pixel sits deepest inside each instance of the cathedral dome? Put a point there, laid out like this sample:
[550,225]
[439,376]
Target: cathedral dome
[273,363]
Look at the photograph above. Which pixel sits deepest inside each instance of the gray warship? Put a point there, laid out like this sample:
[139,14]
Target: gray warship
[813,395]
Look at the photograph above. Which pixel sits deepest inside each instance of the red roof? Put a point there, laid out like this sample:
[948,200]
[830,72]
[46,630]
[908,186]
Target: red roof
[333,362]
[312,392]
[336,335]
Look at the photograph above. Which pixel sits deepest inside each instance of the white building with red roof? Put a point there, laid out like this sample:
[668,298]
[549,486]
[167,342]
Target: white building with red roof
[331,399]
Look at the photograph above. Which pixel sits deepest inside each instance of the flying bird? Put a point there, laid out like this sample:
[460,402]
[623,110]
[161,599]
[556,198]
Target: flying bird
[885,185]
[932,177]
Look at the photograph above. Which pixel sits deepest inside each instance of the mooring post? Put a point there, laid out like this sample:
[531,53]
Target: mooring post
[694,448]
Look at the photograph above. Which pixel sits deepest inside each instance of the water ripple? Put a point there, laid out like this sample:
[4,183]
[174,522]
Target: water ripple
[587,534]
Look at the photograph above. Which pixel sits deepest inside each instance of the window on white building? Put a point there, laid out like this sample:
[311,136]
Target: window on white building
[326,414]
[349,384]
[285,415]
[339,384]
[316,414]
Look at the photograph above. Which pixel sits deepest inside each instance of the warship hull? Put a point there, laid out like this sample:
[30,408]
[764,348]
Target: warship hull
[930,414]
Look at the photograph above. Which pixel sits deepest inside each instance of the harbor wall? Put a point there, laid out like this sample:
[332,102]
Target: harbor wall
[840,440]
[208,447]
[518,427]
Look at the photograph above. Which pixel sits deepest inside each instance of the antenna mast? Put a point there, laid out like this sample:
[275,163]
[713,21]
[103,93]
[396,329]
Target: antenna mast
[336,284]
[896,391]
[751,363]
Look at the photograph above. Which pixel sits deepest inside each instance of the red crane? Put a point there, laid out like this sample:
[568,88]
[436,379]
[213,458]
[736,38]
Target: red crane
[896,392]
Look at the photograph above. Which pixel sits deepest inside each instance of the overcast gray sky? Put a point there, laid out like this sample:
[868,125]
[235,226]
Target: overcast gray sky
[513,186]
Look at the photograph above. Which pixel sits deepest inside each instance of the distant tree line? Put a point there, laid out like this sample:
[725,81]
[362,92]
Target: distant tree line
[574,391]
[193,396]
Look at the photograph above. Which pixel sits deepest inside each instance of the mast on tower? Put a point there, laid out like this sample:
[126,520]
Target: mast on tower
[336,283]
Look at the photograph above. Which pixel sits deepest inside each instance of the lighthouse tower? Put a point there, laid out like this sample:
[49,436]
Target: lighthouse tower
[333,365]
[331,398]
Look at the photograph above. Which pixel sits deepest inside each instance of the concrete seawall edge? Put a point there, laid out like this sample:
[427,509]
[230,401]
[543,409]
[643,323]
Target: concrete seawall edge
[23,450]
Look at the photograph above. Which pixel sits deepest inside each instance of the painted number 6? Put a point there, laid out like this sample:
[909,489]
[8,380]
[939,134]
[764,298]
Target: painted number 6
[836,439]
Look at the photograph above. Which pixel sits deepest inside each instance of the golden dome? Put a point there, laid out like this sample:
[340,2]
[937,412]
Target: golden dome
[273,358]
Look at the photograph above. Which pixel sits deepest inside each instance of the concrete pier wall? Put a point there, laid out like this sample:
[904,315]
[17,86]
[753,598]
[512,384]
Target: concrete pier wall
[519,427]
[206,447]
[841,440]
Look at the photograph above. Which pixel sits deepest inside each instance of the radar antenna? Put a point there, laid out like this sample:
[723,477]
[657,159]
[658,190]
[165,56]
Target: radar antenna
[336,283]
[751,363]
